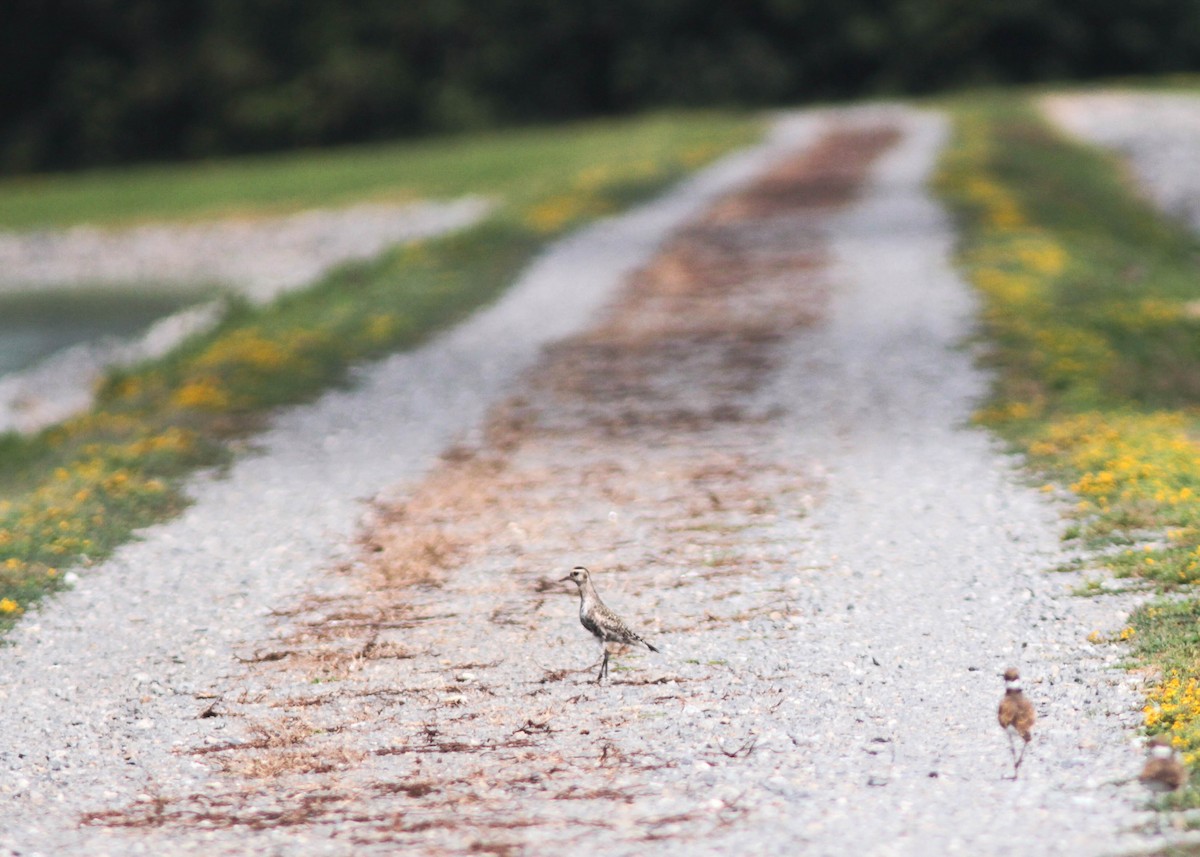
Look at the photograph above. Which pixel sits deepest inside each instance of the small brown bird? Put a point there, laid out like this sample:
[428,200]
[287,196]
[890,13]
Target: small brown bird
[1164,772]
[605,625]
[1016,717]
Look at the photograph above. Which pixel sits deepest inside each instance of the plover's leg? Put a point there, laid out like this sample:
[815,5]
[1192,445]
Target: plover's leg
[1020,759]
[1013,751]
[603,667]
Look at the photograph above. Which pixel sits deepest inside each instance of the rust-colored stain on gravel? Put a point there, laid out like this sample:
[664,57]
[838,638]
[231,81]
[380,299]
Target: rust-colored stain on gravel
[445,702]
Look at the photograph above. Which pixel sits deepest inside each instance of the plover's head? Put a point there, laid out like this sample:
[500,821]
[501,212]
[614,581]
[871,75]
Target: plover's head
[1012,679]
[578,576]
[1160,747]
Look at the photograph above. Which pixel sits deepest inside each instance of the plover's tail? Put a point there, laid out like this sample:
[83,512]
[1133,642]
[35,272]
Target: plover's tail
[647,645]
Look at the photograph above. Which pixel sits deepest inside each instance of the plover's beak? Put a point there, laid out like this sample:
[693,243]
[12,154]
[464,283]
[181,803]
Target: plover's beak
[564,579]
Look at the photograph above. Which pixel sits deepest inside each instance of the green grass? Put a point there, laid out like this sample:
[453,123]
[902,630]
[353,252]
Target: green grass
[1092,322]
[73,493]
[515,166]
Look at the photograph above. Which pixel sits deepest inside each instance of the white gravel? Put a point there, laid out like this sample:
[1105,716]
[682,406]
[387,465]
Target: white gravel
[920,574]
[99,687]
[1157,133]
[932,576]
[257,257]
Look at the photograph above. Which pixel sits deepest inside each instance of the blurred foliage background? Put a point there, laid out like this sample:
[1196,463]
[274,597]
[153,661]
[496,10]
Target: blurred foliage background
[109,81]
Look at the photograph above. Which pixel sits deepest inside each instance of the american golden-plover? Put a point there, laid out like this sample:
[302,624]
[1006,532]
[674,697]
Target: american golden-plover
[605,625]
[1016,717]
[1164,772]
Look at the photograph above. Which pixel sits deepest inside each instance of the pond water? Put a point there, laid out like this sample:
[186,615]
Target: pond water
[34,326]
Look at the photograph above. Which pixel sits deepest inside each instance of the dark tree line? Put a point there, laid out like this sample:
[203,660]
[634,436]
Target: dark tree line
[106,81]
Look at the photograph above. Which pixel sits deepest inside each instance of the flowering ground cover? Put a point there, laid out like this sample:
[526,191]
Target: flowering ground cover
[71,494]
[1091,319]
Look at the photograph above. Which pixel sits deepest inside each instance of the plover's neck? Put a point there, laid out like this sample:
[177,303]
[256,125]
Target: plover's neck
[1012,686]
[587,595]
[1162,751]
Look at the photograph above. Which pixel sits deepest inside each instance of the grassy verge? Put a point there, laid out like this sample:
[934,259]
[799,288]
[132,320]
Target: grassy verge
[518,166]
[73,493]
[1092,315]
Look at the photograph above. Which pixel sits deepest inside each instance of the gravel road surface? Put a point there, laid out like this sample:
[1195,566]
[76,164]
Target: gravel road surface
[1157,133]
[759,444]
[257,257]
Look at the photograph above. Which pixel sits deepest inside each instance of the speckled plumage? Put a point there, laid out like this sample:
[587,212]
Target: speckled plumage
[603,624]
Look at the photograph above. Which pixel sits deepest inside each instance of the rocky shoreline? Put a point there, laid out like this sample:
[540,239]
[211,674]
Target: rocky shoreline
[256,259]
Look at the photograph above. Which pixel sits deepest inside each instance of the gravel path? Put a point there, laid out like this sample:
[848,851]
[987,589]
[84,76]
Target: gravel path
[103,685]
[256,257]
[759,447]
[1158,133]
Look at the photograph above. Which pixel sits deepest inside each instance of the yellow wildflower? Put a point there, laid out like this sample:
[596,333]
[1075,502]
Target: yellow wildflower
[202,394]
